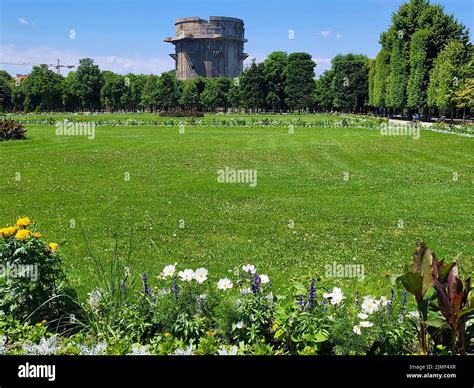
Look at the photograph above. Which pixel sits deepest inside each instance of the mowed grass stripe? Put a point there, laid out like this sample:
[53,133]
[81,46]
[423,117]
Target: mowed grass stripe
[300,178]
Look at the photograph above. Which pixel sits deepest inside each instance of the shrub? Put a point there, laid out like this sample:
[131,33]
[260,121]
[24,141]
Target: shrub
[11,130]
[33,285]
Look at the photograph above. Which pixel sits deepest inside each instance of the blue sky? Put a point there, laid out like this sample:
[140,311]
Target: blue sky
[127,35]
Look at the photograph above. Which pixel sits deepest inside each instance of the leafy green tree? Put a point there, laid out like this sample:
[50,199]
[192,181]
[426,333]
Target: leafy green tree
[274,72]
[398,74]
[252,87]
[190,96]
[88,83]
[350,82]
[112,91]
[149,96]
[42,89]
[273,100]
[299,81]
[5,75]
[233,95]
[418,33]
[381,76]
[372,64]
[446,76]
[323,96]
[406,21]
[464,98]
[5,90]
[442,28]
[132,94]
[419,75]
[70,100]
[17,97]
[215,93]
[169,91]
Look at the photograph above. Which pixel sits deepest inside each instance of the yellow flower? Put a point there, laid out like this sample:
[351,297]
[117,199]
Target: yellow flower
[8,231]
[53,247]
[167,334]
[37,235]
[23,234]
[23,222]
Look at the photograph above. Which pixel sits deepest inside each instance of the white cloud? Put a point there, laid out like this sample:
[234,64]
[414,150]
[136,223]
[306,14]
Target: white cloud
[326,33]
[23,21]
[118,64]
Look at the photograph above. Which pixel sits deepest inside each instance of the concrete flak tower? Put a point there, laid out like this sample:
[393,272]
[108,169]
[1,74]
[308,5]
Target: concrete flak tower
[213,48]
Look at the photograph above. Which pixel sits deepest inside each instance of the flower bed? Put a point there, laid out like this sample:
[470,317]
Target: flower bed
[181,311]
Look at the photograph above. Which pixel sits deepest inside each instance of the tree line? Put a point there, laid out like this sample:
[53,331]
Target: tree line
[282,82]
[425,66]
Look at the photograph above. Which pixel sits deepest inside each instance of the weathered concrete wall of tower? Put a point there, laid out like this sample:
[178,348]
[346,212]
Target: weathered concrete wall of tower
[213,48]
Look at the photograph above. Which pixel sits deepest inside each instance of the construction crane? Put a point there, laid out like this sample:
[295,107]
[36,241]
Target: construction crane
[57,65]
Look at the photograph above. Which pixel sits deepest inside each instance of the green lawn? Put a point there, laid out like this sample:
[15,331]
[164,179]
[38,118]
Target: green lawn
[173,177]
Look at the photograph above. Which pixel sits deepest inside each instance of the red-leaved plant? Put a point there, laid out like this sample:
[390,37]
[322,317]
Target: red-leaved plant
[449,306]
[454,301]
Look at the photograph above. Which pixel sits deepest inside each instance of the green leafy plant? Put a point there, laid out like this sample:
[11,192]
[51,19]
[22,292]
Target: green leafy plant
[116,308]
[454,301]
[301,324]
[417,282]
[11,130]
[34,286]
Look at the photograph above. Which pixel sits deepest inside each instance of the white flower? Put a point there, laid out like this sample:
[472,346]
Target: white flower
[264,279]
[94,350]
[336,296]
[240,325]
[249,268]
[3,345]
[227,351]
[366,324]
[201,275]
[139,350]
[95,297]
[362,316]
[224,284]
[187,275]
[169,271]
[383,301]
[369,305]
[184,352]
[356,330]
[46,346]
